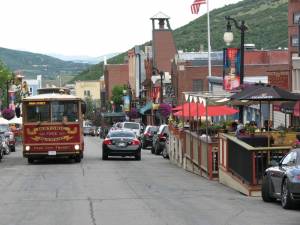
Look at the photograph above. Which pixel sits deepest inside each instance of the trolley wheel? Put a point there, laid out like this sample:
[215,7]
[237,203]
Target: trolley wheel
[30,160]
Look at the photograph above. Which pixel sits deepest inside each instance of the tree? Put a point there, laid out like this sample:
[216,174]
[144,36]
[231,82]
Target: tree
[89,115]
[117,95]
[5,75]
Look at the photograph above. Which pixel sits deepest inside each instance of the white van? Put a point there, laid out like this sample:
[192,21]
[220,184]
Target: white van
[135,127]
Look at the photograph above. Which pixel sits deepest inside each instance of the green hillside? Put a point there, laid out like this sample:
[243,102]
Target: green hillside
[266,20]
[267,28]
[32,64]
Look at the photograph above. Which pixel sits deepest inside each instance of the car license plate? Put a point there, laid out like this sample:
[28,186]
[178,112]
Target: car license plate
[121,144]
[52,153]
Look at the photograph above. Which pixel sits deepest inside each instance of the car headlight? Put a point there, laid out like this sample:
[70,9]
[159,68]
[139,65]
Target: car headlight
[76,147]
[27,148]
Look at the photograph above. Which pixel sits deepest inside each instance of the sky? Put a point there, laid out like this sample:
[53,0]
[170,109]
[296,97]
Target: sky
[88,27]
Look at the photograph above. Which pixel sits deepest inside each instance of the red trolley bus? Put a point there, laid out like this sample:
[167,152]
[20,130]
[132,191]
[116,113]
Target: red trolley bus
[52,126]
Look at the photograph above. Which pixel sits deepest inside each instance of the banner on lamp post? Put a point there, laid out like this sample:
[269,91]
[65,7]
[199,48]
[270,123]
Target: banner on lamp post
[12,98]
[231,68]
[126,103]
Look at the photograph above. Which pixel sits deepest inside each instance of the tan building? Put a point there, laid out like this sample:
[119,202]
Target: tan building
[90,88]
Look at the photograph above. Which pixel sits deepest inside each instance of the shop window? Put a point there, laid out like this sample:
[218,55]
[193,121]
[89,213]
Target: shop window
[296,17]
[294,41]
[296,81]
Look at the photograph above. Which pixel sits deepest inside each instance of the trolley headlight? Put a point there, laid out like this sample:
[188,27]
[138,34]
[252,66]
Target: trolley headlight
[76,147]
[27,148]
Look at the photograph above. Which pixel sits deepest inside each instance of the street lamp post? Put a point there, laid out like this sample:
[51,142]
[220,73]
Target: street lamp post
[299,37]
[8,82]
[228,38]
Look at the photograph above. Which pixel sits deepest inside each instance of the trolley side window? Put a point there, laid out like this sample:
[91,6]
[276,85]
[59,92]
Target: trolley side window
[64,111]
[38,112]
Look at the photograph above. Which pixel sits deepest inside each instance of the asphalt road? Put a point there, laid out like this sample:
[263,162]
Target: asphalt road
[123,192]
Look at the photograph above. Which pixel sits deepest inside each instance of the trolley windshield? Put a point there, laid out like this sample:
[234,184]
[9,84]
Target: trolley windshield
[55,111]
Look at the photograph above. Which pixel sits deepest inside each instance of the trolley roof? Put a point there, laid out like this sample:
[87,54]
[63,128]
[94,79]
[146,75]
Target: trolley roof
[51,97]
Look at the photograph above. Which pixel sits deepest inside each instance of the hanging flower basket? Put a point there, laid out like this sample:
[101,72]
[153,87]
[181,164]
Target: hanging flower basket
[8,114]
[133,113]
[165,110]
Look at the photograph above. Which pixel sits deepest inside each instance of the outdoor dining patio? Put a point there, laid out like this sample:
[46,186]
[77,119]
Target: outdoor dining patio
[211,148]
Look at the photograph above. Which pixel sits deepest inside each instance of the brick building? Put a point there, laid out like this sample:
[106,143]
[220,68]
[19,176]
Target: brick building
[115,75]
[189,70]
[293,42]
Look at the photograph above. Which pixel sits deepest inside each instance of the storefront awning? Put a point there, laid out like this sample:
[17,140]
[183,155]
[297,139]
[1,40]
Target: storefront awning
[113,114]
[145,108]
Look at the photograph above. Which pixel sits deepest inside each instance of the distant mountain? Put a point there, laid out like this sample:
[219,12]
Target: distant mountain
[84,59]
[267,22]
[32,64]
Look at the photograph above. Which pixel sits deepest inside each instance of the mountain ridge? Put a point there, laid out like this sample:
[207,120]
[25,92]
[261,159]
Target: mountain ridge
[31,64]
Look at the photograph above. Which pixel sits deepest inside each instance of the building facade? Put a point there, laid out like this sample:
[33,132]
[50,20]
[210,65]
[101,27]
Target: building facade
[88,89]
[34,85]
[293,42]
[115,75]
[189,70]
[136,69]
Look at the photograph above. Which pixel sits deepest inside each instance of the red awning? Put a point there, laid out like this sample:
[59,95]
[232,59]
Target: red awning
[190,109]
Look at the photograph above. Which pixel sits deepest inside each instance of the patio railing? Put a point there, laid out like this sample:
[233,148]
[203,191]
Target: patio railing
[245,162]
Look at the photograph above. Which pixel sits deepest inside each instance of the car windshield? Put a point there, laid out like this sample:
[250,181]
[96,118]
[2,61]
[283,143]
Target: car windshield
[3,128]
[122,134]
[161,128]
[132,126]
[153,129]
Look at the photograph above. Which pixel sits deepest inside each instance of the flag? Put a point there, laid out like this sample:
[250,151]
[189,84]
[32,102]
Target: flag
[196,5]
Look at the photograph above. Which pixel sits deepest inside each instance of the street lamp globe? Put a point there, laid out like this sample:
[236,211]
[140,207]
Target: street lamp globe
[111,102]
[124,91]
[228,37]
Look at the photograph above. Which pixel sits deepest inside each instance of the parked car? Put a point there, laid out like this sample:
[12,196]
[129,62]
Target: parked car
[133,126]
[121,143]
[282,180]
[86,130]
[3,146]
[98,131]
[92,131]
[159,139]
[11,140]
[147,136]
[165,151]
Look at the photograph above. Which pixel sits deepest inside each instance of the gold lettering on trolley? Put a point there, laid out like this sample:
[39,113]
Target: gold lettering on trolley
[64,138]
[67,129]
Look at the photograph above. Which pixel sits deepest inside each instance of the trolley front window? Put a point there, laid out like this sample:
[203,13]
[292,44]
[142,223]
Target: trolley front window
[38,112]
[56,111]
[66,111]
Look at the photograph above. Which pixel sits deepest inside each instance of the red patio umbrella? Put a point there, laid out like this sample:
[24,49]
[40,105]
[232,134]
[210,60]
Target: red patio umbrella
[190,109]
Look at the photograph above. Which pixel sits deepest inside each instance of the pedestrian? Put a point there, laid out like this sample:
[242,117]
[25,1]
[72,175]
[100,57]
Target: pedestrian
[297,142]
